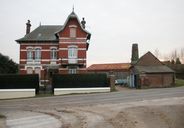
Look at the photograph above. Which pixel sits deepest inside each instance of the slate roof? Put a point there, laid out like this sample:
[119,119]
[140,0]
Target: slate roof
[49,32]
[42,33]
[152,69]
[148,63]
[109,67]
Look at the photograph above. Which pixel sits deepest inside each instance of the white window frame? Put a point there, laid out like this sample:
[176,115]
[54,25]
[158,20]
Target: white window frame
[53,53]
[29,54]
[72,70]
[37,54]
[72,54]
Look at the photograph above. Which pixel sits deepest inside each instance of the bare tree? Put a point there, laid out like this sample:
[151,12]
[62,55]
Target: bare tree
[182,55]
[174,55]
[157,53]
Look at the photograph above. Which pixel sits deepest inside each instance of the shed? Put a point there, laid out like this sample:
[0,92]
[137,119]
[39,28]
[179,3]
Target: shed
[149,72]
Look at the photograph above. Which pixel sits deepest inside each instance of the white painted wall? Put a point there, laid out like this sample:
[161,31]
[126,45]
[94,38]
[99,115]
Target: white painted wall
[62,91]
[16,93]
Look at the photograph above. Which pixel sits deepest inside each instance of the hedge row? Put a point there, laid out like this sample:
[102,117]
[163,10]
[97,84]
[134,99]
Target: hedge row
[79,80]
[179,75]
[15,81]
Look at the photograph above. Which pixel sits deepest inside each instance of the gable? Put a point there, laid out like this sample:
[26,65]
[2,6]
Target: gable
[73,20]
[72,23]
[148,59]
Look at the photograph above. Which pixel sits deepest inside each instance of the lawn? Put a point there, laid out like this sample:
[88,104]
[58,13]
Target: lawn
[179,82]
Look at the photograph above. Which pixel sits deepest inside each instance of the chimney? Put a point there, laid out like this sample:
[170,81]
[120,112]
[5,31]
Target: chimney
[28,27]
[83,22]
[135,53]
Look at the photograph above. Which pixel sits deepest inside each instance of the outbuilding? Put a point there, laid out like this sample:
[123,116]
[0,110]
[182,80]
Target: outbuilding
[120,70]
[149,72]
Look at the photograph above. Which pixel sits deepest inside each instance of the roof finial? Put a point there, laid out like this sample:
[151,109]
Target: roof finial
[40,24]
[73,8]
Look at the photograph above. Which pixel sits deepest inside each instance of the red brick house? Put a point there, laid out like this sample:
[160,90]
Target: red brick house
[55,48]
[149,72]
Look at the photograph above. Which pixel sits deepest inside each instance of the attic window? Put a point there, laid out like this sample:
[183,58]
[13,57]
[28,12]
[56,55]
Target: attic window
[72,32]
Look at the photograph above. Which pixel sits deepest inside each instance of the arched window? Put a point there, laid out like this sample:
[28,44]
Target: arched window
[29,54]
[72,32]
[53,54]
[37,54]
[29,70]
[72,54]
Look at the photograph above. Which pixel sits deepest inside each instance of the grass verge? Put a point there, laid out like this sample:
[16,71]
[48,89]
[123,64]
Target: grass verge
[179,82]
[2,116]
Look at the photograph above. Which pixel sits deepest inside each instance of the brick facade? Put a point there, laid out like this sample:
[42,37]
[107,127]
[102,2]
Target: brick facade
[149,72]
[55,49]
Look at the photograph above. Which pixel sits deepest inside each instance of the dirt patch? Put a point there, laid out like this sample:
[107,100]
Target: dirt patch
[2,121]
[150,117]
[164,113]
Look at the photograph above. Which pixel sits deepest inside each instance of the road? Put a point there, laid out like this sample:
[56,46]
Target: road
[24,112]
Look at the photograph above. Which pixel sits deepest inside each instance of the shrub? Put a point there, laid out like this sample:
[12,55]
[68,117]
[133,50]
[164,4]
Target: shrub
[79,80]
[15,81]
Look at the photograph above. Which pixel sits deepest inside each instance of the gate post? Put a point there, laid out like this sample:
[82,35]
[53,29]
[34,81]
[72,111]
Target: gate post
[112,83]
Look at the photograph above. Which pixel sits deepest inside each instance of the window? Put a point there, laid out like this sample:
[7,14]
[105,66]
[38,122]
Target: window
[72,71]
[72,55]
[72,32]
[29,70]
[29,54]
[53,54]
[37,54]
[37,71]
[72,52]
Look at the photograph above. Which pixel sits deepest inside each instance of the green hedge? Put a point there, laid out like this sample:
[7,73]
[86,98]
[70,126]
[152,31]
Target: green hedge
[79,80]
[15,81]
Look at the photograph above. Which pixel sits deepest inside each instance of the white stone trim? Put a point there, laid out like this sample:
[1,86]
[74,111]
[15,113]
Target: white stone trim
[77,49]
[40,60]
[62,91]
[76,59]
[42,50]
[33,67]
[72,42]
[70,38]
[39,44]
[72,26]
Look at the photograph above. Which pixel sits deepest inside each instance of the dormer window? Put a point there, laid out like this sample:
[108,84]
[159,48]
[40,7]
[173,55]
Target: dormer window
[73,31]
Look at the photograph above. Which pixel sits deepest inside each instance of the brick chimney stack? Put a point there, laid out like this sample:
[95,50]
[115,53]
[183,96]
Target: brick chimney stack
[28,27]
[83,22]
[135,53]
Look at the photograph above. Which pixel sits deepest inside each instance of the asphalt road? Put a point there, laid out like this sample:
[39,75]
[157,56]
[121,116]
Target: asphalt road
[41,112]
[123,96]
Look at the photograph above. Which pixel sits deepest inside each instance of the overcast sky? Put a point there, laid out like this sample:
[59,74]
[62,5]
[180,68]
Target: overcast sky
[114,24]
